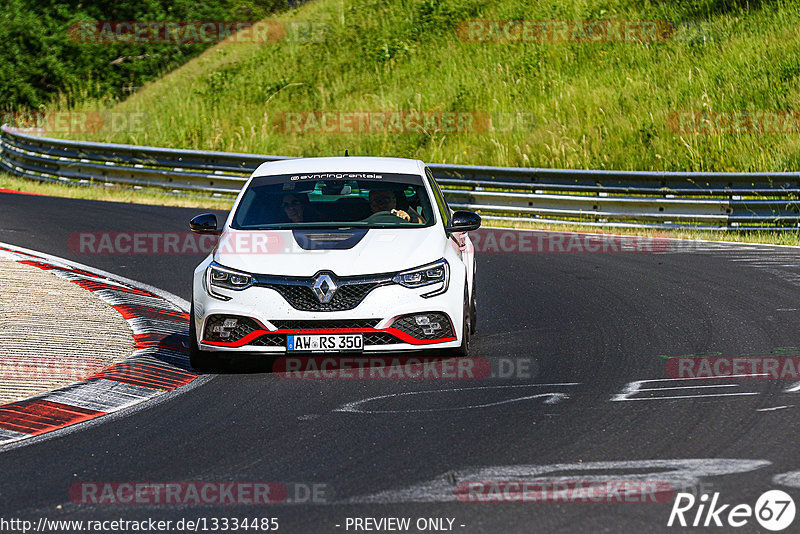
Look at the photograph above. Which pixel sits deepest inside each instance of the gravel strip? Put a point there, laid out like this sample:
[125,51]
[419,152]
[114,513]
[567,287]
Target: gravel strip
[53,332]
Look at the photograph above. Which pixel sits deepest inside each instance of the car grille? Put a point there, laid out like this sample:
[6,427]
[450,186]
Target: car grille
[270,340]
[325,324]
[299,294]
[409,325]
[380,338]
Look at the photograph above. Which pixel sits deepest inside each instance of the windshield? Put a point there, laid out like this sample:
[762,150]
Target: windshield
[356,199]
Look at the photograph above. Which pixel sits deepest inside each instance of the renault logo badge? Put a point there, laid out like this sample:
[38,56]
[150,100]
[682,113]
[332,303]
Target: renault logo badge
[324,288]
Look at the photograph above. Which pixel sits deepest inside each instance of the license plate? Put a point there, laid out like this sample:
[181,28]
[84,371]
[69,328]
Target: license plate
[324,342]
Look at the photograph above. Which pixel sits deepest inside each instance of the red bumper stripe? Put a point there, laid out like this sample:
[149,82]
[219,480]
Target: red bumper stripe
[402,336]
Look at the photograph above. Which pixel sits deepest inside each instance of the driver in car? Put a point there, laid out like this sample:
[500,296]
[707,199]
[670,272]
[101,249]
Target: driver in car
[385,200]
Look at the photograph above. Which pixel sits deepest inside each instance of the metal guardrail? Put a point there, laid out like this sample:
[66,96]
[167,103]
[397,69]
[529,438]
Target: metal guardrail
[610,198]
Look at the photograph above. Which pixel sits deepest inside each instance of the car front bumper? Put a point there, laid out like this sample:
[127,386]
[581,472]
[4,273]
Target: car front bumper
[387,317]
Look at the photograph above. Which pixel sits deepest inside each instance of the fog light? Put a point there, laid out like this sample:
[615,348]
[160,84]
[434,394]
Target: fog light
[429,325]
[228,327]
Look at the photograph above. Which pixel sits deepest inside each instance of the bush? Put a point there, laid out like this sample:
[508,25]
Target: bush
[41,59]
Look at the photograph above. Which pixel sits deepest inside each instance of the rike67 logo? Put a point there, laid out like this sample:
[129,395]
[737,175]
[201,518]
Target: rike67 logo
[774,510]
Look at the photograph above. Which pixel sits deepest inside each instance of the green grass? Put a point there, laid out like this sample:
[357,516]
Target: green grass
[594,105]
[112,194]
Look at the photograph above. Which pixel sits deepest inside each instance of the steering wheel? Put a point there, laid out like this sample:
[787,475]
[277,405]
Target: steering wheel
[383,217]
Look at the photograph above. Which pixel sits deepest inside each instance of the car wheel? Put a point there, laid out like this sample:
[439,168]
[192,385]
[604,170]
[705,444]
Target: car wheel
[202,360]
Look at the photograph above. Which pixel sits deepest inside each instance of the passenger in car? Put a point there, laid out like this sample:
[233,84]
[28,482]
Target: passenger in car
[297,208]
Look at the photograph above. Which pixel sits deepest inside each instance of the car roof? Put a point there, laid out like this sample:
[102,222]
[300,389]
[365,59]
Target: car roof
[340,164]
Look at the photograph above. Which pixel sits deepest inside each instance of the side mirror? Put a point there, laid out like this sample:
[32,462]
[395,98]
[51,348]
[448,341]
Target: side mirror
[464,221]
[205,224]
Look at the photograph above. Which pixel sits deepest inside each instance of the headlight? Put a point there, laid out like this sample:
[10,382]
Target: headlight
[222,277]
[434,273]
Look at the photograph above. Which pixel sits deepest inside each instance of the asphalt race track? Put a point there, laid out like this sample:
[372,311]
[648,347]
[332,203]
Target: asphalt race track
[576,330]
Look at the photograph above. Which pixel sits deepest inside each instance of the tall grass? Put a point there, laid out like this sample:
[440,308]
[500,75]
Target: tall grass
[593,105]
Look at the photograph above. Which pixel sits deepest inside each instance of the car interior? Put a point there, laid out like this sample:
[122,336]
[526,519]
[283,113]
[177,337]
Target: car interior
[262,204]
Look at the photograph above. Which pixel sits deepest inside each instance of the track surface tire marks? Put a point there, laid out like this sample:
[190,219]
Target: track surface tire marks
[598,319]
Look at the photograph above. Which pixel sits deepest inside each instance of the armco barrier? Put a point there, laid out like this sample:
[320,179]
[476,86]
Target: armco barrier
[613,198]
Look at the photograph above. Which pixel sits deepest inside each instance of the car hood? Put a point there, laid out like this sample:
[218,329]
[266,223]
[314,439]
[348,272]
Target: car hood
[281,252]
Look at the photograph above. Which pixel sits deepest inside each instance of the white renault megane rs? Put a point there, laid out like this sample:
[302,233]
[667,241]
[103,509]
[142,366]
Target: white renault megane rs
[350,254]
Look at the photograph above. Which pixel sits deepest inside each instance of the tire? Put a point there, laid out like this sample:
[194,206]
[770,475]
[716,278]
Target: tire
[463,350]
[200,360]
[473,308]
